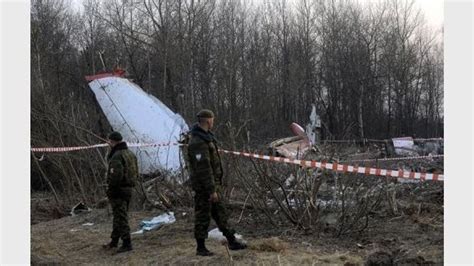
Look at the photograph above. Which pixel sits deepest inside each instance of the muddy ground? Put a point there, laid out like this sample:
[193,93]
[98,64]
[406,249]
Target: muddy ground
[414,236]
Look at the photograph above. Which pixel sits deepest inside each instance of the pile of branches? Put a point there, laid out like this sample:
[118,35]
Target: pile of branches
[315,200]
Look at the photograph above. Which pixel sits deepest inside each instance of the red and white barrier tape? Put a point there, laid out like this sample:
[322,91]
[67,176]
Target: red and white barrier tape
[395,158]
[153,144]
[428,139]
[344,168]
[65,149]
[374,140]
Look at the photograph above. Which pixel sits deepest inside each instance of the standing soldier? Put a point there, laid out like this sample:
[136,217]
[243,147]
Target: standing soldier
[206,180]
[121,175]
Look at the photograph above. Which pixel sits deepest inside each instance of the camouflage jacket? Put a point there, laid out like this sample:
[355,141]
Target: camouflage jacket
[122,171]
[204,161]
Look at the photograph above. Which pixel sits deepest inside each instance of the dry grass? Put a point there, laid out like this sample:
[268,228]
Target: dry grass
[67,242]
[272,244]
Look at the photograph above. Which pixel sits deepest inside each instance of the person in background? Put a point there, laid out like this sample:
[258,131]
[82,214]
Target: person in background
[122,171]
[206,180]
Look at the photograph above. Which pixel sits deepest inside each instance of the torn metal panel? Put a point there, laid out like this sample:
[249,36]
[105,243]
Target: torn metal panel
[313,129]
[292,147]
[404,146]
[141,118]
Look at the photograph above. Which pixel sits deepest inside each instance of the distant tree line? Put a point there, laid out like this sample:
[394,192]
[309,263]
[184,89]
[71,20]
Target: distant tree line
[373,71]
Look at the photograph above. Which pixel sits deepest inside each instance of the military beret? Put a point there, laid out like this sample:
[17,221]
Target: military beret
[205,113]
[116,136]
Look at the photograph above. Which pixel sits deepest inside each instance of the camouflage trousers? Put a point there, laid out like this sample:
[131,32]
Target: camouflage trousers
[204,210]
[120,228]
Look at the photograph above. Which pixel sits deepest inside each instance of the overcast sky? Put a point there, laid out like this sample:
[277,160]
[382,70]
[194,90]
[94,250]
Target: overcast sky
[432,9]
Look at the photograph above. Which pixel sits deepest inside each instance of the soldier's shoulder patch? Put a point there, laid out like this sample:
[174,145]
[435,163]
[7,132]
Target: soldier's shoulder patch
[198,156]
[111,170]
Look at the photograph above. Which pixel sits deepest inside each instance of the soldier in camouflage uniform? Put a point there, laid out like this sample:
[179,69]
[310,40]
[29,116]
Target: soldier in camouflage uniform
[121,175]
[206,180]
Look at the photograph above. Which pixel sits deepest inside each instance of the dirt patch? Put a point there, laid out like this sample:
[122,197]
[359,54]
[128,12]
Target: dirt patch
[273,244]
[411,233]
[44,208]
[77,240]
[69,241]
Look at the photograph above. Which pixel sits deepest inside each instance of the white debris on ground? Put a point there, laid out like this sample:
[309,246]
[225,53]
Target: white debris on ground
[215,234]
[141,118]
[79,208]
[156,222]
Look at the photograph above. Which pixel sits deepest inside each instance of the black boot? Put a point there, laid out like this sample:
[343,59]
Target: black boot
[201,248]
[126,245]
[234,244]
[113,244]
